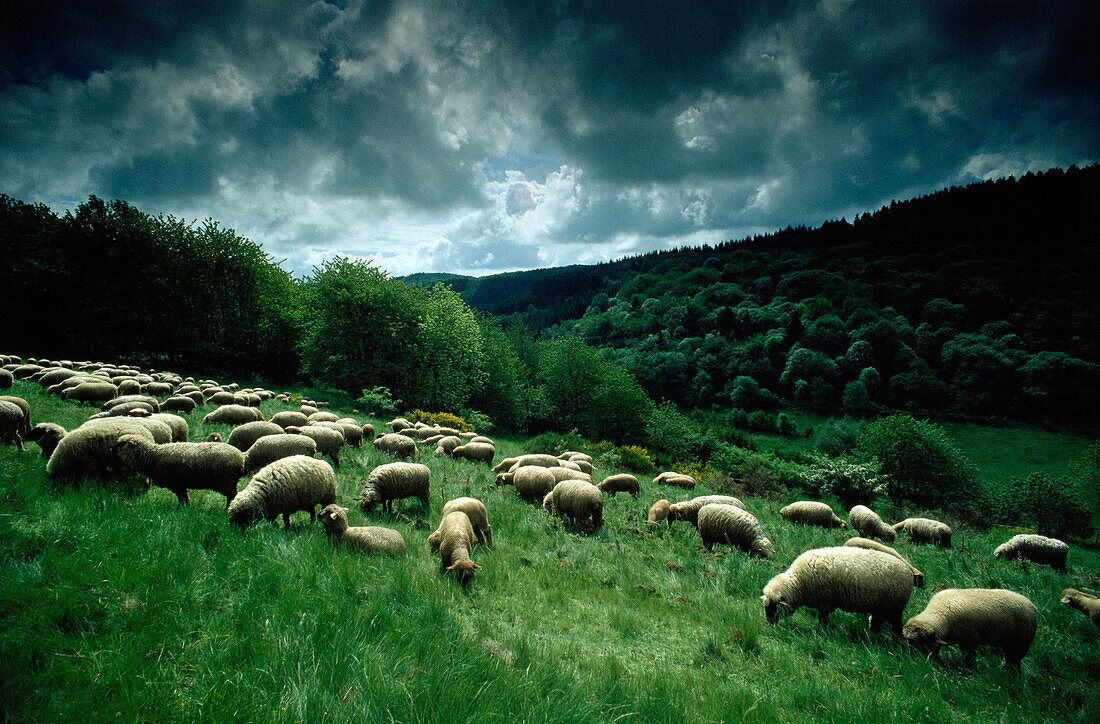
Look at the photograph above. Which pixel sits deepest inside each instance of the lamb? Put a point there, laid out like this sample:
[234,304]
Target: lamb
[374,540]
[623,483]
[1086,603]
[243,436]
[90,392]
[87,450]
[973,617]
[673,478]
[232,415]
[11,423]
[283,488]
[1038,548]
[454,537]
[289,418]
[396,444]
[724,523]
[577,500]
[925,530]
[657,513]
[532,482]
[688,510]
[476,451]
[851,579]
[180,466]
[179,403]
[811,512]
[47,435]
[868,524]
[24,408]
[918,577]
[391,481]
[328,441]
[475,511]
[445,445]
[270,448]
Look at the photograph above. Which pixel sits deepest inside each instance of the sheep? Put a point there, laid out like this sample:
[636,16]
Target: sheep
[180,466]
[323,417]
[396,444]
[476,438]
[561,474]
[454,538]
[122,410]
[11,424]
[1037,548]
[214,437]
[577,500]
[123,399]
[546,461]
[678,479]
[583,465]
[398,424]
[284,487]
[532,482]
[391,481]
[475,511]
[243,436]
[353,434]
[47,435]
[811,512]
[724,523]
[157,389]
[1086,603]
[658,512]
[504,465]
[221,397]
[232,415]
[622,483]
[973,617]
[179,403]
[328,441]
[576,456]
[918,577]
[851,579]
[289,418]
[90,392]
[925,530]
[270,448]
[87,450]
[368,539]
[688,510]
[368,432]
[160,430]
[6,380]
[25,408]
[868,524]
[476,451]
[445,445]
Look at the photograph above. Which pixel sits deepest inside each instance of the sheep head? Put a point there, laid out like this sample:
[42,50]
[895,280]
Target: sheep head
[464,570]
[334,518]
[921,635]
[777,600]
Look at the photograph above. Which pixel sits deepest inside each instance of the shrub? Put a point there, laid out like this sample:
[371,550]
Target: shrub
[379,401]
[635,459]
[1053,506]
[784,425]
[440,419]
[478,421]
[555,443]
[922,464]
[702,472]
[671,434]
[762,421]
[837,436]
[850,482]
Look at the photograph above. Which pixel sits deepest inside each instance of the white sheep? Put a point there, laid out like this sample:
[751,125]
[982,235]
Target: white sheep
[455,536]
[124,399]
[178,425]
[811,512]
[11,424]
[658,512]
[232,415]
[87,450]
[925,530]
[540,459]
[851,579]
[90,392]
[289,418]
[918,577]
[328,441]
[160,430]
[688,510]
[1037,548]
[577,500]
[181,466]
[475,511]
[679,480]
[243,436]
[6,380]
[973,617]
[283,488]
[868,524]
[47,435]
[400,446]
[393,481]
[179,403]
[25,408]
[622,483]
[532,482]
[270,448]
[724,523]
[370,539]
[1086,603]
[445,445]
[476,451]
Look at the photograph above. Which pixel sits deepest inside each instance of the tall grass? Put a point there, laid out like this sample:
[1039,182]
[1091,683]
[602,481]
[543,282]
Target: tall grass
[116,606]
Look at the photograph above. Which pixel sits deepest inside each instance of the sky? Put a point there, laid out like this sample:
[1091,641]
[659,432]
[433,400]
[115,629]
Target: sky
[494,135]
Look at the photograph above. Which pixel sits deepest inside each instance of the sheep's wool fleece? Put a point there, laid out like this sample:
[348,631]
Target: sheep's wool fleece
[869,524]
[851,579]
[980,616]
[725,523]
[399,480]
[285,487]
[688,510]
[1038,548]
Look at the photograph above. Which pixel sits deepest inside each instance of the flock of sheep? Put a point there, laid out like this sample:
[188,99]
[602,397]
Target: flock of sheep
[142,428]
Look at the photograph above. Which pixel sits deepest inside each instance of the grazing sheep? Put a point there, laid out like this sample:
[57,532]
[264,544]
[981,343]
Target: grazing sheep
[323,417]
[24,408]
[532,482]
[47,435]
[688,510]
[475,511]
[87,450]
[575,456]
[353,434]
[577,500]
[973,617]
[623,483]
[1086,603]
[90,392]
[868,524]
[723,523]
[453,538]
[371,539]
[179,403]
[395,444]
[925,530]
[243,436]
[658,512]
[6,380]
[270,448]
[677,479]
[289,418]
[180,466]
[221,398]
[283,488]
[214,437]
[178,425]
[476,451]
[368,432]
[124,399]
[160,431]
[398,424]
[123,410]
[232,415]
[328,441]
[11,423]
[811,512]
[561,474]
[157,389]
[546,461]
[392,481]
[446,444]
[918,577]
[1037,548]
[851,579]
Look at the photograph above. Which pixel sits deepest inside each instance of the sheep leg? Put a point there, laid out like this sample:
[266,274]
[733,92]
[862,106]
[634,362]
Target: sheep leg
[876,622]
[181,494]
[823,616]
[286,521]
[1012,661]
[335,460]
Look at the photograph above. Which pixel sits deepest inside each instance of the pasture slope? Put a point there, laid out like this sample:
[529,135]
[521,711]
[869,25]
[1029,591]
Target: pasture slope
[118,606]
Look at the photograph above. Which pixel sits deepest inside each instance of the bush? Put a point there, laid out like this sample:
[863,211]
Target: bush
[837,436]
[478,421]
[635,459]
[440,419]
[922,464]
[785,426]
[671,434]
[1053,506]
[850,482]
[379,402]
[762,421]
[555,443]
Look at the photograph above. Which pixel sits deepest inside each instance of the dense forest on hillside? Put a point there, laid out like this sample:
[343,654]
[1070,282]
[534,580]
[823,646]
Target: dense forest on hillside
[979,300]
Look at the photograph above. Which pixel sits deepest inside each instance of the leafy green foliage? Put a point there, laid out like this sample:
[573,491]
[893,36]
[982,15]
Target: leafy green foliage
[850,482]
[837,436]
[379,401]
[1052,505]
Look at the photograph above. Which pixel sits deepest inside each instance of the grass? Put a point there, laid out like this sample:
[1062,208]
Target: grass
[115,606]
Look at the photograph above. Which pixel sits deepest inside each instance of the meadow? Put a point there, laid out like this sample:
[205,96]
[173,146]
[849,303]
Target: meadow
[116,605]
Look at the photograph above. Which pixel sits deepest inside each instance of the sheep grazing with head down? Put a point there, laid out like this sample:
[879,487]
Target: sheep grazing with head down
[811,512]
[540,459]
[479,519]
[179,403]
[477,451]
[285,487]
[577,500]
[400,446]
[270,448]
[289,418]
[454,538]
[6,380]
[688,510]
[657,513]
[850,579]
[393,481]
[232,415]
[918,577]
[47,435]
[973,617]
[925,530]
[328,441]
[532,482]
[673,478]
[724,523]
[622,483]
[868,524]
[243,436]
[445,445]
[180,466]
[25,408]
[87,450]
[369,539]
[1086,603]
[11,425]
[1037,548]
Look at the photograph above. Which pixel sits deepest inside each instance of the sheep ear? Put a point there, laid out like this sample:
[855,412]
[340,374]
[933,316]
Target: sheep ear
[941,642]
[1065,599]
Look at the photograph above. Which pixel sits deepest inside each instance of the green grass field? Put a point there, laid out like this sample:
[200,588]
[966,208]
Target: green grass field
[116,606]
